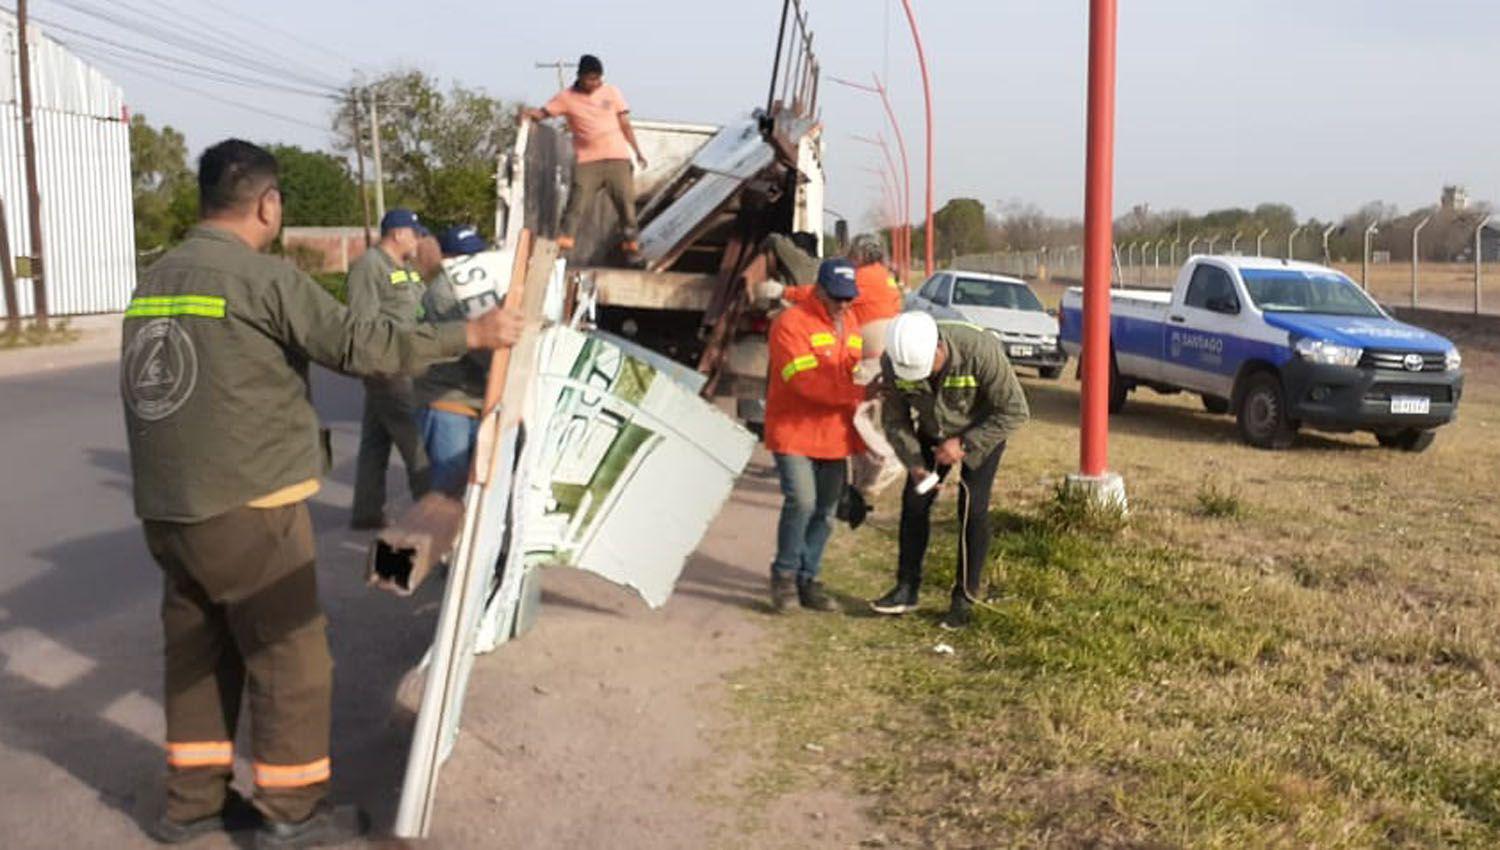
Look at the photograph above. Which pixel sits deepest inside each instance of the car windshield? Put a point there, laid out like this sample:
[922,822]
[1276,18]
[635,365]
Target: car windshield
[978,292]
[1292,291]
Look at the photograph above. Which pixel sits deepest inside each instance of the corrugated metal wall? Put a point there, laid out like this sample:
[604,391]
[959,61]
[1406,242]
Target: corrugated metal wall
[83,173]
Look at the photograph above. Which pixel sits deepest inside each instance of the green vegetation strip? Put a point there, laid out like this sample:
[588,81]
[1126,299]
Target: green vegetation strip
[1115,693]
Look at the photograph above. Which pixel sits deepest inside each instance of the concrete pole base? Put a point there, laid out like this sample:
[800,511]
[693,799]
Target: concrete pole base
[1107,489]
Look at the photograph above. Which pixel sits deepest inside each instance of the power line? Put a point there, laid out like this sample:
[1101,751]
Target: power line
[110,46]
[320,49]
[235,37]
[222,56]
[217,98]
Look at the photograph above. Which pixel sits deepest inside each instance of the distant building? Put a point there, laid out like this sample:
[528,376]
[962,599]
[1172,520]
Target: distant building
[83,177]
[1455,198]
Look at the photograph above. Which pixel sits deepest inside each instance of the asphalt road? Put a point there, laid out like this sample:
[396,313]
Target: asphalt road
[598,729]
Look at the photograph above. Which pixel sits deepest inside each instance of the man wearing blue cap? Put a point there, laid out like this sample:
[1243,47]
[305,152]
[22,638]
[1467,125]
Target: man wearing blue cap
[450,396]
[382,283]
[810,401]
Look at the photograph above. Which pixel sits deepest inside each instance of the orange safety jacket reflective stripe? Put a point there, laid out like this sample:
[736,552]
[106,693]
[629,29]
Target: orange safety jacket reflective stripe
[811,394]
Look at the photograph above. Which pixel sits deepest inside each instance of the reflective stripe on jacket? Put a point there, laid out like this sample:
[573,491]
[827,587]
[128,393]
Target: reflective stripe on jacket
[811,394]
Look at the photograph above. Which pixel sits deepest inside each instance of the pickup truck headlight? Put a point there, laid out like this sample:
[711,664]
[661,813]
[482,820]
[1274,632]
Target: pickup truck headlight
[1049,342]
[1328,353]
[1453,360]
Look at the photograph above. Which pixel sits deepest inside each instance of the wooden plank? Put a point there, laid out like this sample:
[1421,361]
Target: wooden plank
[654,290]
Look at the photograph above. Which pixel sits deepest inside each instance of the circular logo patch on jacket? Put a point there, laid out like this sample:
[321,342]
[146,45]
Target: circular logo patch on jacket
[159,370]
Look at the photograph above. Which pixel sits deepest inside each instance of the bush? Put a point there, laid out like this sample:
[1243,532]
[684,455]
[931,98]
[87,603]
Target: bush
[1218,503]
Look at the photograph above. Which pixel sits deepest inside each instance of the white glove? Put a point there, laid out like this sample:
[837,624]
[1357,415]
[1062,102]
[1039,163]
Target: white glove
[770,290]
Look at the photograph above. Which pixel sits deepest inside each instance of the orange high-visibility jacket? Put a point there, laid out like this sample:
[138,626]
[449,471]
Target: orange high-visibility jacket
[880,296]
[811,394]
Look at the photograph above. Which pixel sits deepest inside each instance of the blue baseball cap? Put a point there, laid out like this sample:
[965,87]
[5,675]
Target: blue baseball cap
[401,217]
[836,277]
[461,239]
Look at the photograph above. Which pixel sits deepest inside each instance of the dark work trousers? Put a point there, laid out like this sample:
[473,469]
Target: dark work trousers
[240,605]
[974,489]
[390,419]
[615,179]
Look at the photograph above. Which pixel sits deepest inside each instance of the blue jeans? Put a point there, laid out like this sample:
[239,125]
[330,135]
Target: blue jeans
[449,440]
[811,489]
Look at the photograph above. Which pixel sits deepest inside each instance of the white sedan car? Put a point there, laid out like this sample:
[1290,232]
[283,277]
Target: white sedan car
[1006,306]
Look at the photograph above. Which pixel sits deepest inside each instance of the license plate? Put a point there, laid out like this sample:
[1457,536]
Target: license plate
[1410,404]
[1022,351]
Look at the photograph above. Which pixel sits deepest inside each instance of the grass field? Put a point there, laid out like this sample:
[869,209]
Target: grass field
[1280,649]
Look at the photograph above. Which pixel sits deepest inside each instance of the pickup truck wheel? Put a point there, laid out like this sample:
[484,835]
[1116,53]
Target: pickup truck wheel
[1215,405]
[1409,440]
[1050,373]
[1262,417]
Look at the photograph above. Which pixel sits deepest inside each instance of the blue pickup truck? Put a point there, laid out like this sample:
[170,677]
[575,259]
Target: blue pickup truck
[1281,344]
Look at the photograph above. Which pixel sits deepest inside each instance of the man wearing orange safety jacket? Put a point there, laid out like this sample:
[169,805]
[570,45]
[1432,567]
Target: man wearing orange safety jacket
[880,297]
[810,402]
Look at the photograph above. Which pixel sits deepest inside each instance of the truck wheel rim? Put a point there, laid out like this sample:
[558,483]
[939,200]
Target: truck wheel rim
[1262,412]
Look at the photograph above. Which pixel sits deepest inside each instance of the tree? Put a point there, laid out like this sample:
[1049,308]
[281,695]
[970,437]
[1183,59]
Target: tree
[316,188]
[961,228]
[163,189]
[440,150]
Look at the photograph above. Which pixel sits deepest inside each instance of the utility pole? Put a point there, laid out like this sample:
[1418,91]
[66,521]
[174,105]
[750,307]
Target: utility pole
[559,66]
[12,301]
[375,153]
[33,195]
[359,158]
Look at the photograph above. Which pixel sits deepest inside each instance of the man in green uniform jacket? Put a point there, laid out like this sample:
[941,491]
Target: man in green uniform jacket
[381,282]
[952,400]
[225,451]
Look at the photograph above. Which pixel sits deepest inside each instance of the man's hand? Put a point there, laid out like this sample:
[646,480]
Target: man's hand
[641,161]
[496,329]
[950,452]
[918,474]
[533,114]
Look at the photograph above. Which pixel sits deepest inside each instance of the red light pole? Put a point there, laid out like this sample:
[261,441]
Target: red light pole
[916,38]
[905,237]
[898,226]
[1098,253]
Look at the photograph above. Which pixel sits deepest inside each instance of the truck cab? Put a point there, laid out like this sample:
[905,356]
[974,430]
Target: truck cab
[1282,345]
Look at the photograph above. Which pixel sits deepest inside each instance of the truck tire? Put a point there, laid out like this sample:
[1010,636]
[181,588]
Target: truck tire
[1215,405]
[1263,418]
[1409,440]
[1050,373]
[1118,389]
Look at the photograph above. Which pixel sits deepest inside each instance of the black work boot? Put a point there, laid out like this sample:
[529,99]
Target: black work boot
[901,599]
[812,596]
[236,816]
[783,592]
[959,615]
[328,824]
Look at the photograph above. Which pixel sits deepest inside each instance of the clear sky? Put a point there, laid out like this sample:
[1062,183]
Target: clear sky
[1324,105]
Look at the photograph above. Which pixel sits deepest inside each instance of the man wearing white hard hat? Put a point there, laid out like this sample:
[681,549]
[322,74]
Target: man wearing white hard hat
[952,400]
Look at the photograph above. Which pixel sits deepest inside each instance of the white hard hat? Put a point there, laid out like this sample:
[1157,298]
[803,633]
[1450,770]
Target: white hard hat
[911,343]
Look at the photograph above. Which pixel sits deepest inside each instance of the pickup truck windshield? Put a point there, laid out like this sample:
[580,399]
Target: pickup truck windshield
[1290,291]
[978,292]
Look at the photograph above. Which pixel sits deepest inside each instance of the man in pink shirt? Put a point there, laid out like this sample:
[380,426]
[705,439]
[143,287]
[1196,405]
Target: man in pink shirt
[599,119]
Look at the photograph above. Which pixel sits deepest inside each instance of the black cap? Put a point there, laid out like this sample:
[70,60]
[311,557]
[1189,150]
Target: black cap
[588,63]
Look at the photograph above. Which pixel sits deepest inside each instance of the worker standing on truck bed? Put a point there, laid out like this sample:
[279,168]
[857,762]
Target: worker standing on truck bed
[951,399]
[383,283]
[450,396]
[599,118]
[810,429]
[225,452]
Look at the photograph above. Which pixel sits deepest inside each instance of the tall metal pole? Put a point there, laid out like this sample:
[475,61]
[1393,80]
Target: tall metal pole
[1416,256]
[1234,243]
[1172,254]
[890,115]
[928,235]
[1327,232]
[359,159]
[1364,263]
[1098,238]
[1479,259]
[375,154]
[776,65]
[33,193]
[1260,242]
[1291,241]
